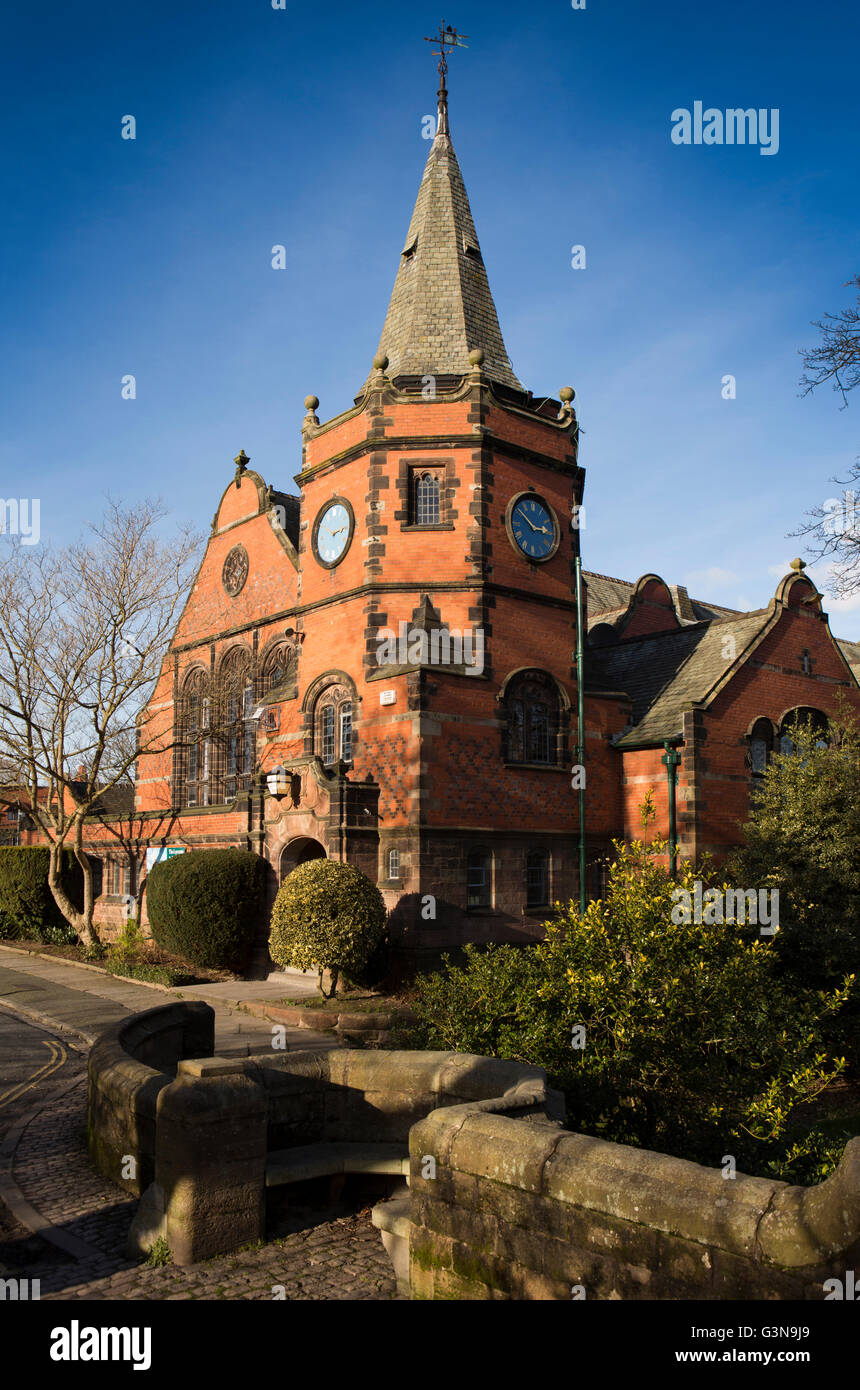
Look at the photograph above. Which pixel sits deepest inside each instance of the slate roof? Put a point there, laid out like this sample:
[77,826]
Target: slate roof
[442,307]
[665,673]
[607,598]
[851,652]
[113,801]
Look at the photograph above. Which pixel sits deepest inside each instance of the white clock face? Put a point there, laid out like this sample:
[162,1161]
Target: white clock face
[334,530]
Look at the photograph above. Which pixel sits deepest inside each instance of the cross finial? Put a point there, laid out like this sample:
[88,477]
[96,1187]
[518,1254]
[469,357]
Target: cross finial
[447,39]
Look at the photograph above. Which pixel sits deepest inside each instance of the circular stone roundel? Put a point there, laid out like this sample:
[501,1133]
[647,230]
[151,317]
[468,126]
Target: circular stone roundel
[235,570]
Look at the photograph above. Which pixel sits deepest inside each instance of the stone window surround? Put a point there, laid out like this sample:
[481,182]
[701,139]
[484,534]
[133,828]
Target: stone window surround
[444,470]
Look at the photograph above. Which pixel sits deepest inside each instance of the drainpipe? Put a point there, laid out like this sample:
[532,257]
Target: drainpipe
[670,761]
[580,747]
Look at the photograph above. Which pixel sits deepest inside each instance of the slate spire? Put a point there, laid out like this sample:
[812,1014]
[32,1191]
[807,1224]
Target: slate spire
[441,307]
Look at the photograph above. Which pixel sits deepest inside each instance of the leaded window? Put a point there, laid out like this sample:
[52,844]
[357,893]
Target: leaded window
[238,730]
[333,725]
[532,707]
[428,505]
[195,742]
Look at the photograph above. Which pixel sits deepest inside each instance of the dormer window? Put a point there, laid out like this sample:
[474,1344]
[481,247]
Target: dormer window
[409,251]
[471,249]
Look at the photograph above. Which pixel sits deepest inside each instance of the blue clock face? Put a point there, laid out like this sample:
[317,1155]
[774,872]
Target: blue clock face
[333,534]
[533,528]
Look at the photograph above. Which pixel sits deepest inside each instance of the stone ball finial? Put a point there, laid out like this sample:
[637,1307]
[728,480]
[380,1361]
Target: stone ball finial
[798,565]
[380,361]
[477,357]
[311,402]
[567,394]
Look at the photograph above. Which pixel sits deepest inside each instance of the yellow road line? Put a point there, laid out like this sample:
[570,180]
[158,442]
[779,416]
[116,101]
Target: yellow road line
[56,1060]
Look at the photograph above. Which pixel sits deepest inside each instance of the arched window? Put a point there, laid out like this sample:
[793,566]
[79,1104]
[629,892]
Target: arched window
[279,668]
[479,879]
[393,864]
[428,509]
[237,726]
[537,878]
[761,747]
[812,719]
[532,707]
[195,741]
[333,725]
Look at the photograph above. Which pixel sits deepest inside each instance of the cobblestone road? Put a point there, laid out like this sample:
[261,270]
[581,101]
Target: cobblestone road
[311,1256]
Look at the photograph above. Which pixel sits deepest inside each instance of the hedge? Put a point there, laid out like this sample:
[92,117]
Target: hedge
[27,907]
[205,906]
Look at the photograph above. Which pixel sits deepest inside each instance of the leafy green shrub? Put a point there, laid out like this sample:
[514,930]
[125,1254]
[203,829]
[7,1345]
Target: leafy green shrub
[205,906]
[129,943]
[803,838]
[28,911]
[694,1043]
[327,916]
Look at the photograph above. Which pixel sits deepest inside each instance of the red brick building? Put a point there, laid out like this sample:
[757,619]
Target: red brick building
[397,643]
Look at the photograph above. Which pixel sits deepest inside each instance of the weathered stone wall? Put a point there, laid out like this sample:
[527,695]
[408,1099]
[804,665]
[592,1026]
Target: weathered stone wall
[520,1211]
[365,1096]
[512,1205]
[128,1067]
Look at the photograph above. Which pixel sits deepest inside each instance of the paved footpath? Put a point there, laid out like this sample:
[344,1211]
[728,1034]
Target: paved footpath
[47,1184]
[84,1001]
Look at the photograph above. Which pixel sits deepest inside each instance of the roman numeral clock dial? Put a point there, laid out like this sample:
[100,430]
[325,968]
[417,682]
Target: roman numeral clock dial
[533,527]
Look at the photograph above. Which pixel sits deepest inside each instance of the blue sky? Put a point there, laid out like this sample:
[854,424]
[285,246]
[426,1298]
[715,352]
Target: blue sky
[303,127]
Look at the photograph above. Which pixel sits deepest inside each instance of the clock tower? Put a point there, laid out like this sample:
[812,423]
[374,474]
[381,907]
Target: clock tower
[436,554]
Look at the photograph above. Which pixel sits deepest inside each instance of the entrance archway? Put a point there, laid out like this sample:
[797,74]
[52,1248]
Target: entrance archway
[297,852]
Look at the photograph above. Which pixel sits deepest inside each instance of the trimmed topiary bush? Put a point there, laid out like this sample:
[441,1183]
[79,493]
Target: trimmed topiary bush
[327,916]
[27,908]
[205,906]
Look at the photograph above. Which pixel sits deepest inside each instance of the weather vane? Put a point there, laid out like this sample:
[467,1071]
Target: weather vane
[447,39]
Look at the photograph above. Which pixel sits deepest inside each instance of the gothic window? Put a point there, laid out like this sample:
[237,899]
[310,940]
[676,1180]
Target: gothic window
[532,708]
[333,726]
[426,495]
[237,727]
[479,879]
[537,878]
[195,741]
[393,864]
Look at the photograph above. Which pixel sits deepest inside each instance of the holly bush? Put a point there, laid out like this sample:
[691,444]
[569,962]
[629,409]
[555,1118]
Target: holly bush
[679,1036]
